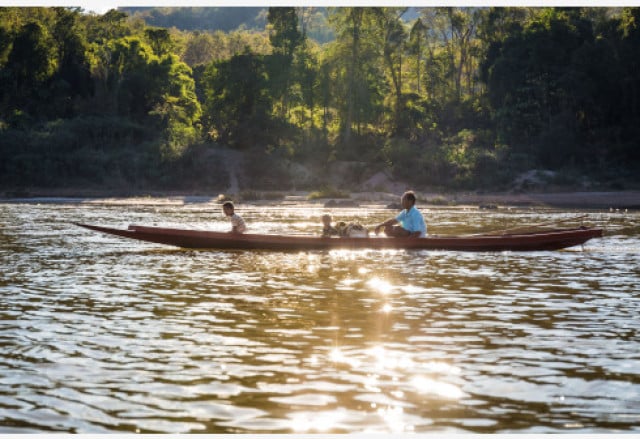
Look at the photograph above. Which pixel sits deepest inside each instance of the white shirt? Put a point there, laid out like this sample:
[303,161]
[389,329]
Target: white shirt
[238,223]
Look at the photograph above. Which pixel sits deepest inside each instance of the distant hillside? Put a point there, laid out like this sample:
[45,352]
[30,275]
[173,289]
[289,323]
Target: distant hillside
[226,19]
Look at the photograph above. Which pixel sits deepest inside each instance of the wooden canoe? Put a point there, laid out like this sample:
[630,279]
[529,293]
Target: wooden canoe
[198,239]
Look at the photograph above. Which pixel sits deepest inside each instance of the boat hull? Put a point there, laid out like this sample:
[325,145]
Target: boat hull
[198,239]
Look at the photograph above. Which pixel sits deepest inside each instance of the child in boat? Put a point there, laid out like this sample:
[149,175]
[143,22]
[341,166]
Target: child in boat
[237,223]
[328,230]
[410,219]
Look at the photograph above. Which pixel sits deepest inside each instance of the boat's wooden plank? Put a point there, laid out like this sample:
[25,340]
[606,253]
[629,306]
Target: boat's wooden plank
[550,240]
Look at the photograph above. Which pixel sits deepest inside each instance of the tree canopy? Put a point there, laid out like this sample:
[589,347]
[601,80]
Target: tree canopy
[452,97]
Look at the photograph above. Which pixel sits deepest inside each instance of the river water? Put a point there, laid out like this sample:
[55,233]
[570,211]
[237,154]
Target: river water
[100,334]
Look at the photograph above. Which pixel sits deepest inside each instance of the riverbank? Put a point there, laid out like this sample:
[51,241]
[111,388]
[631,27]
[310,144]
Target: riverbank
[562,199]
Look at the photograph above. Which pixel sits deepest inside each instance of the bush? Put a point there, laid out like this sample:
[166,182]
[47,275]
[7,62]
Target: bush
[328,192]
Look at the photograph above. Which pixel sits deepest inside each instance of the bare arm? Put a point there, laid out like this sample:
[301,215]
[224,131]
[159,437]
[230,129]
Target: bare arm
[389,222]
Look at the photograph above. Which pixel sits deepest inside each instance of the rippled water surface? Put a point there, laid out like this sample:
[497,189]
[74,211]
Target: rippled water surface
[100,334]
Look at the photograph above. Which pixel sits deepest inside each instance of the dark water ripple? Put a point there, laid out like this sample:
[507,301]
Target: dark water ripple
[100,334]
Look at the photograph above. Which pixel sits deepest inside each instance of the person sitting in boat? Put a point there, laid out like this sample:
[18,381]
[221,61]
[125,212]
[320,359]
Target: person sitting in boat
[410,220]
[237,223]
[328,230]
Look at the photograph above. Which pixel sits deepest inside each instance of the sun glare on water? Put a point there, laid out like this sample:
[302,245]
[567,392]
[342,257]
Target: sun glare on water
[429,386]
[380,285]
[317,422]
[338,357]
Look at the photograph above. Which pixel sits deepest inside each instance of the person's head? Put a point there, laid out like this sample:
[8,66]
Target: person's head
[326,220]
[228,208]
[408,200]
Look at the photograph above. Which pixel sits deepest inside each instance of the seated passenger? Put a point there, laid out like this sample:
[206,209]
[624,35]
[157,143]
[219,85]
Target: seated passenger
[328,230]
[237,223]
[410,219]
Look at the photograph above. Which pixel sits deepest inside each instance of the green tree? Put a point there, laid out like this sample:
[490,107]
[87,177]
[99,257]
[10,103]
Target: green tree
[285,38]
[237,101]
[284,34]
[535,87]
[174,103]
[303,90]
[357,79]
[629,51]
[125,63]
[393,48]
[73,77]
[150,89]
[416,47]
[160,40]
[29,68]
[109,26]
[620,98]
[202,48]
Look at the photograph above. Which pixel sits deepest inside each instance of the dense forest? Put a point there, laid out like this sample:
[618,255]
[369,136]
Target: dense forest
[456,98]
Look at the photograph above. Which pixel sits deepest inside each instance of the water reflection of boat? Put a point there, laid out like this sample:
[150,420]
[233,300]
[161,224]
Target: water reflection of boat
[198,239]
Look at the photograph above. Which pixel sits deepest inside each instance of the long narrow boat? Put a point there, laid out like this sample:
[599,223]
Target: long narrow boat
[198,239]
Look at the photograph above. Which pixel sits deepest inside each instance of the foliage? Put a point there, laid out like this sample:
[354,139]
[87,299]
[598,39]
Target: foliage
[451,97]
[82,152]
[552,102]
[328,192]
[238,104]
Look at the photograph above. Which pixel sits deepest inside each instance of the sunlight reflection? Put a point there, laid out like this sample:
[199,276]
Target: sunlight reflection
[371,384]
[313,360]
[443,368]
[387,308]
[349,281]
[380,285]
[337,356]
[428,386]
[393,417]
[385,360]
[344,254]
[316,422]
[313,263]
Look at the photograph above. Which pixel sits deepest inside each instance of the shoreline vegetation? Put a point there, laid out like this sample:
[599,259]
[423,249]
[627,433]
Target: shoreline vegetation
[352,184]
[485,106]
